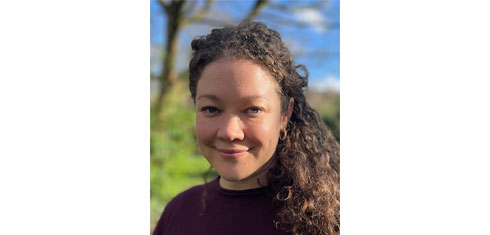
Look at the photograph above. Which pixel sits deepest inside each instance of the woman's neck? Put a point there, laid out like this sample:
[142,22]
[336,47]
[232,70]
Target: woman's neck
[247,183]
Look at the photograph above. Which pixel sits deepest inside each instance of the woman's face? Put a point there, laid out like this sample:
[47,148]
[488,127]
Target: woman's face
[238,119]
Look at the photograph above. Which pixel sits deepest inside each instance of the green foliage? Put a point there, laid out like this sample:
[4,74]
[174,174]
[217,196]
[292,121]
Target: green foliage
[328,106]
[331,116]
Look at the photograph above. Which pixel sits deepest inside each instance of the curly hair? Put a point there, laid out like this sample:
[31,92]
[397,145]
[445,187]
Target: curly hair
[303,174]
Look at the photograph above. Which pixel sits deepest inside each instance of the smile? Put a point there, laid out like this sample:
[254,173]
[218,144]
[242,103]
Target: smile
[231,154]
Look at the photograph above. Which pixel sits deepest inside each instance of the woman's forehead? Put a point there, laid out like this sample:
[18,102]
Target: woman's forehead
[237,80]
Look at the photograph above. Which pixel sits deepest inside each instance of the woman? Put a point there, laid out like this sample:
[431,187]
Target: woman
[278,164]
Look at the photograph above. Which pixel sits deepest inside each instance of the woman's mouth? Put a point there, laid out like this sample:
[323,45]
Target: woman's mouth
[232,153]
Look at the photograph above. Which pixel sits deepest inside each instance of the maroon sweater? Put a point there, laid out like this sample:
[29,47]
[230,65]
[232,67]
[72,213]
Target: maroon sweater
[227,212]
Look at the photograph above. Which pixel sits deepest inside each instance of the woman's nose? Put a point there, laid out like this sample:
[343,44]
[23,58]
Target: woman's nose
[231,129]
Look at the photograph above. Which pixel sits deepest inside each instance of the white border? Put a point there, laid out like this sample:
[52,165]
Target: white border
[414,117]
[74,123]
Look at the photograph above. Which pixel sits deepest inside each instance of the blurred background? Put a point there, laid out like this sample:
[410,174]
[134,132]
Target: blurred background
[310,29]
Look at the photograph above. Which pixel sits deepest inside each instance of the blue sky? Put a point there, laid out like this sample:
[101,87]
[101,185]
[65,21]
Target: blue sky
[317,34]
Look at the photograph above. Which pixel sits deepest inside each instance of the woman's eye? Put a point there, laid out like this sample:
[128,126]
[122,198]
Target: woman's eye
[209,110]
[254,110]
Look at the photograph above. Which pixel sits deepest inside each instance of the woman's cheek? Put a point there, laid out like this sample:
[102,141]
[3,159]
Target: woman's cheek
[203,131]
[265,133]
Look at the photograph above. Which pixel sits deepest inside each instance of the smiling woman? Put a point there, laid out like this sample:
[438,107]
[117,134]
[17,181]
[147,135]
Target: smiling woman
[278,164]
[238,99]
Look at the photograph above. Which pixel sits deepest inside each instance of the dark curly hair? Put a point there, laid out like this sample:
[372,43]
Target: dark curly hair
[303,174]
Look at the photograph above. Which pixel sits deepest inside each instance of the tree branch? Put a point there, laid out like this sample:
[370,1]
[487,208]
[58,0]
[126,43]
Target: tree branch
[199,15]
[215,22]
[164,4]
[259,4]
[189,8]
[292,7]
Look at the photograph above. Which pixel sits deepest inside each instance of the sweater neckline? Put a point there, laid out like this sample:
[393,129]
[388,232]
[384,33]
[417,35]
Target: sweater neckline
[237,193]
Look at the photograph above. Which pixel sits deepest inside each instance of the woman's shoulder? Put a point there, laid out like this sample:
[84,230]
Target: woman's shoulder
[188,199]
[184,198]
[185,205]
